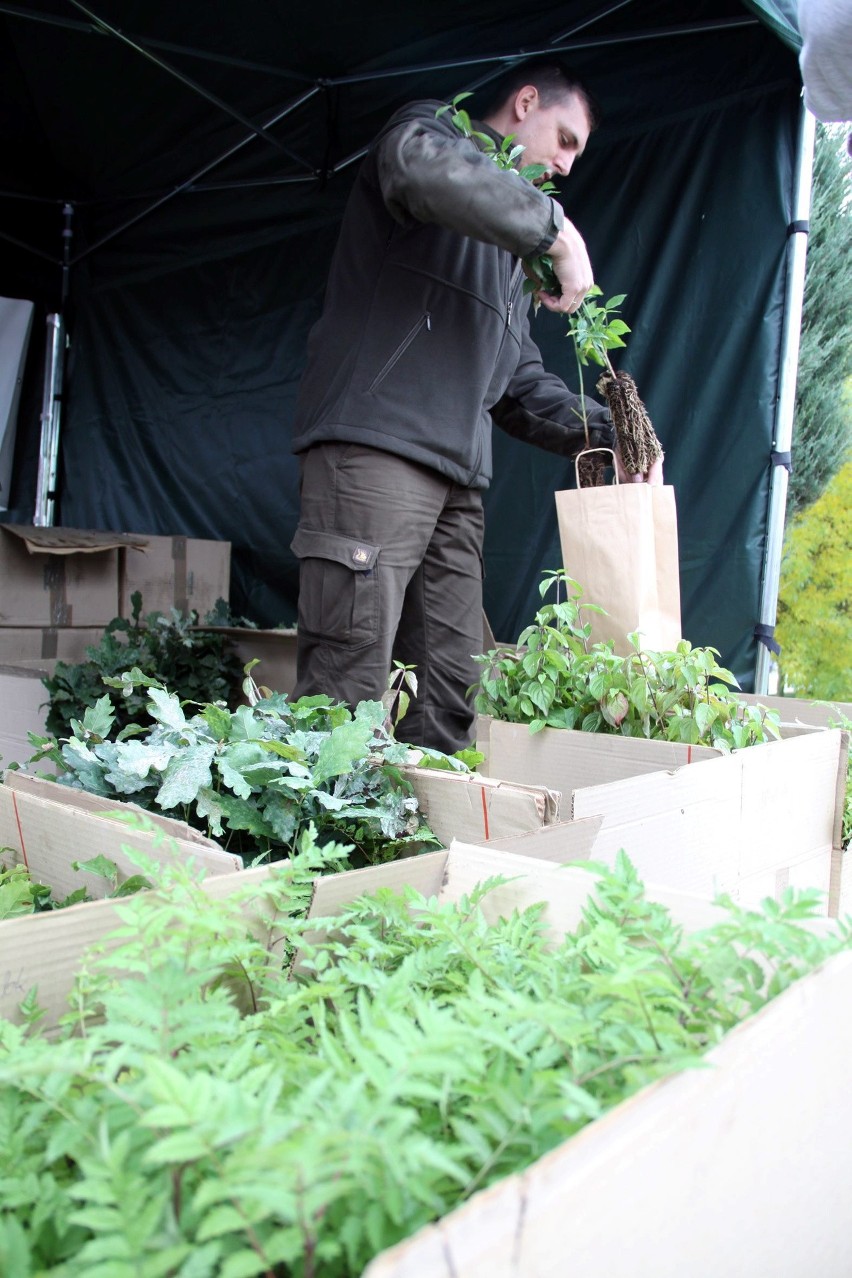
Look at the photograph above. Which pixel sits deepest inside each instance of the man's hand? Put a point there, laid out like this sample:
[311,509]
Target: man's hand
[572,268]
[654,475]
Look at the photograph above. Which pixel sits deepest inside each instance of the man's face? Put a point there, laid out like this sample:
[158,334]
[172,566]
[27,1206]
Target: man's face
[554,135]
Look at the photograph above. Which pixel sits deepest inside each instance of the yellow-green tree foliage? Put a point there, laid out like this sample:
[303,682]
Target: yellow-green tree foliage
[815,599]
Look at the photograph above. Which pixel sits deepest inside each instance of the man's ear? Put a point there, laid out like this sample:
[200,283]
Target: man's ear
[524,100]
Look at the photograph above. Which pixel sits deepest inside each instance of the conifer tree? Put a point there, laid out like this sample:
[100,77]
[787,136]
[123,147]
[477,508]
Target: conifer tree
[822,436]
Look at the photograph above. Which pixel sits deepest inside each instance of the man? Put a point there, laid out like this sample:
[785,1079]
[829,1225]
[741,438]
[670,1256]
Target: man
[424,341]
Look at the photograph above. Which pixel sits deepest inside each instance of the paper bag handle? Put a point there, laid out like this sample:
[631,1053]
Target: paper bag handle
[584,452]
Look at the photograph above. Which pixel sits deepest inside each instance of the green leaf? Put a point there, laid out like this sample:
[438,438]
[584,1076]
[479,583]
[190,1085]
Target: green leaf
[100,866]
[186,774]
[346,745]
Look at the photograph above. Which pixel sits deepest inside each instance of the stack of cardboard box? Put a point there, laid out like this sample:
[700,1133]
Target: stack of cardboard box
[59,588]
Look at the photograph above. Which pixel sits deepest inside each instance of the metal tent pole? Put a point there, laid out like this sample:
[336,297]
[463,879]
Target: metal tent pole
[51,407]
[797,244]
[51,402]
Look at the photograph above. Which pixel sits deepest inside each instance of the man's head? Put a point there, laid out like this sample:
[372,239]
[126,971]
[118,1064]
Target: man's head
[547,110]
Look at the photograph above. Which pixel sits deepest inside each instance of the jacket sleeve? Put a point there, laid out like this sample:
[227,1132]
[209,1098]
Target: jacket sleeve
[430,172]
[539,408]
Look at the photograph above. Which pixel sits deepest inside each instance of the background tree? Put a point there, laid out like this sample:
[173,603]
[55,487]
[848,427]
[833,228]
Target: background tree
[822,437]
[815,600]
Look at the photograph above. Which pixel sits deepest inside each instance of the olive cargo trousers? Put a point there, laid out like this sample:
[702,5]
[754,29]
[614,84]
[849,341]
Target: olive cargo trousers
[390,568]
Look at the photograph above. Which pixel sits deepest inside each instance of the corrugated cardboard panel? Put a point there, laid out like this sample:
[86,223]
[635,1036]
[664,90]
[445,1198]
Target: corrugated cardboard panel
[45,950]
[561,842]
[69,579]
[69,797]
[565,760]
[274,650]
[723,824]
[45,643]
[47,836]
[476,808]
[23,709]
[455,873]
[738,1169]
[816,714]
[176,572]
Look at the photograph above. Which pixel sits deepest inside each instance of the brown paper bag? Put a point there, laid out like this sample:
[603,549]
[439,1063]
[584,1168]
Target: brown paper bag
[619,543]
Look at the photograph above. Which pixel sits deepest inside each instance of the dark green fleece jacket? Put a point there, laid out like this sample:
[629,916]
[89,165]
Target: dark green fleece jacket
[424,339]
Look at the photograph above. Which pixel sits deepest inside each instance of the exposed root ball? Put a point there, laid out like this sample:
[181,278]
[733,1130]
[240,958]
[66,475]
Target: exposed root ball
[637,440]
[591,470]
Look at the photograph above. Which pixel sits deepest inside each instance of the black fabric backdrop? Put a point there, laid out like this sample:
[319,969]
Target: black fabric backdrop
[189,326]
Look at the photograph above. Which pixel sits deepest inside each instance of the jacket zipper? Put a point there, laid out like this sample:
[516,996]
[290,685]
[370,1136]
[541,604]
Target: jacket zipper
[425,321]
[510,304]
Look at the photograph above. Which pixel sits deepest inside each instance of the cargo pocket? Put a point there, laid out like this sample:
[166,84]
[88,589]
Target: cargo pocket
[338,587]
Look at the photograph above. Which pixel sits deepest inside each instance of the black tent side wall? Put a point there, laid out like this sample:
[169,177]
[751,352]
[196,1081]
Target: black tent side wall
[697,237]
[189,334]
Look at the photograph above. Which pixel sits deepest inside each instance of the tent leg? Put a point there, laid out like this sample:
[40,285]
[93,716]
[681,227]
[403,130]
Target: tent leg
[785,405]
[51,408]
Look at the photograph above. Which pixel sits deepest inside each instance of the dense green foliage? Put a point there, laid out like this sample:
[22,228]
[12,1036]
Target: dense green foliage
[556,678]
[815,597]
[20,894]
[224,1120]
[823,422]
[198,665]
[253,778]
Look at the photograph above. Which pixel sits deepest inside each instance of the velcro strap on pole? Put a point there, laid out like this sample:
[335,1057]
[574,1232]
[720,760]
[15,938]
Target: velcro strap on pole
[782,459]
[802,227]
[766,635]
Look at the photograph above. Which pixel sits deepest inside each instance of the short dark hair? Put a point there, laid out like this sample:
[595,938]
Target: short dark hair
[553,79]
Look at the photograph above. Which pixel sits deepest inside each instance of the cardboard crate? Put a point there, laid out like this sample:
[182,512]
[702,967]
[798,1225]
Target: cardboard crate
[58,576]
[566,760]
[738,1168]
[747,823]
[275,651]
[453,873]
[760,1140]
[800,713]
[46,826]
[47,643]
[23,709]
[465,805]
[175,572]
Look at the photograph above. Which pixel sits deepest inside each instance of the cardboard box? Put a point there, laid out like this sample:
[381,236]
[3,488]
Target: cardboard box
[275,651]
[738,1168]
[801,713]
[175,572]
[46,826]
[465,805]
[454,873]
[747,823]
[31,643]
[759,1140]
[23,709]
[52,577]
[565,760]
[58,576]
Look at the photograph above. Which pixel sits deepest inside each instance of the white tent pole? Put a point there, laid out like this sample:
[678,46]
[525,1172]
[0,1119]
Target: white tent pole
[797,245]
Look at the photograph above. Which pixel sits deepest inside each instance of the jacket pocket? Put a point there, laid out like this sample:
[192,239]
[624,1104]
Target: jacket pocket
[338,587]
[425,321]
